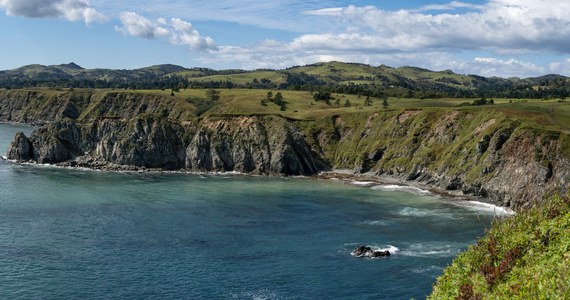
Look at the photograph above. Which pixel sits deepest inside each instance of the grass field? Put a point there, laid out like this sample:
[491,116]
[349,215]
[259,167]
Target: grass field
[544,114]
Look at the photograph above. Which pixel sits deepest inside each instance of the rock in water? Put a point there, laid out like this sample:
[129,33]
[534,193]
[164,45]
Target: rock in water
[367,251]
[20,148]
[380,253]
[361,250]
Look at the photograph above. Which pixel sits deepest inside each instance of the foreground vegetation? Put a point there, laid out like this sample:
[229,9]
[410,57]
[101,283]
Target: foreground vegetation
[523,257]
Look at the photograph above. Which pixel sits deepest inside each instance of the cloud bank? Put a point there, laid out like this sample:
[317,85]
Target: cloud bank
[177,31]
[498,28]
[72,10]
[498,25]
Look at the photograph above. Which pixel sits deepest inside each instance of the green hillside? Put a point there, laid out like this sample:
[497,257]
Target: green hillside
[523,257]
[334,77]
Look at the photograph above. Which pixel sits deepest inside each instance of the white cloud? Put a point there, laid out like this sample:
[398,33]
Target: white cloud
[184,34]
[490,66]
[73,10]
[179,32]
[498,25]
[562,67]
[140,26]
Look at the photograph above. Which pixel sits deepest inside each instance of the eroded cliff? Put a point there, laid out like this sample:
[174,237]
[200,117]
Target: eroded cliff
[482,152]
[258,145]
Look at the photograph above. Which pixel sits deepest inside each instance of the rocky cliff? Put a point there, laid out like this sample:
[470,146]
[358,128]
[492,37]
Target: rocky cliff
[258,145]
[482,152]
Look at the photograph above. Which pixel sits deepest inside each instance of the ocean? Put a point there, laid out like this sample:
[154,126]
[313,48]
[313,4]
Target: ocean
[84,234]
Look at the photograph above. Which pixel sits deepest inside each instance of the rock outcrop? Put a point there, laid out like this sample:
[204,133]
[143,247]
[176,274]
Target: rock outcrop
[367,251]
[259,145]
[20,148]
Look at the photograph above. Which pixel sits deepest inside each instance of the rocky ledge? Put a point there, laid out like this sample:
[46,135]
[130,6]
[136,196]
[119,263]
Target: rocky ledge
[255,145]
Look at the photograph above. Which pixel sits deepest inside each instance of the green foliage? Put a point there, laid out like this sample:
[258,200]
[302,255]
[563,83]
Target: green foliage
[322,96]
[483,101]
[368,101]
[331,77]
[212,94]
[201,105]
[526,256]
[385,103]
[278,98]
[347,103]
[269,96]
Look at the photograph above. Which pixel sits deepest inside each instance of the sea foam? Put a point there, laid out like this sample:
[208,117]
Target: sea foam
[486,207]
[401,188]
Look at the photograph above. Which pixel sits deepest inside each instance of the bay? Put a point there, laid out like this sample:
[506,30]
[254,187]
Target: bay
[70,234]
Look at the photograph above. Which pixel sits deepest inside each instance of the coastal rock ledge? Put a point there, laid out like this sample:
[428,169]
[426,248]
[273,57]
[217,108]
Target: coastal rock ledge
[256,145]
[485,154]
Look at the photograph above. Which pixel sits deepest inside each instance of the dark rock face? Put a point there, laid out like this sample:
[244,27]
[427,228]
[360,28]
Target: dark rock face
[56,142]
[259,145]
[21,148]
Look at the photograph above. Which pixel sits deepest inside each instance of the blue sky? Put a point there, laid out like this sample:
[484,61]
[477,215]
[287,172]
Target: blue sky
[491,38]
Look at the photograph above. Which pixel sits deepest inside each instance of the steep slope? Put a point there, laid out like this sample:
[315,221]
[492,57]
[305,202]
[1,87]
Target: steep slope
[523,257]
[479,152]
[258,145]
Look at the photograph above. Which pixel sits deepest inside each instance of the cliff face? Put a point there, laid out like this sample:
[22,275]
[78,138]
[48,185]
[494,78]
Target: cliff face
[258,145]
[482,152]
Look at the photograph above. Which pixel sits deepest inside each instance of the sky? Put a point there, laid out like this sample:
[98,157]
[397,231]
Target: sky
[506,38]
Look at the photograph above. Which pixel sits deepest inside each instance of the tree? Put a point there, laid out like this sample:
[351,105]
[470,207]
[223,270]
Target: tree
[347,103]
[278,98]
[368,101]
[269,96]
[385,102]
[283,106]
[213,95]
[337,102]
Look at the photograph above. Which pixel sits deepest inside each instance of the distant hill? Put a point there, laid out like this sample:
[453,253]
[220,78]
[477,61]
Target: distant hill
[349,78]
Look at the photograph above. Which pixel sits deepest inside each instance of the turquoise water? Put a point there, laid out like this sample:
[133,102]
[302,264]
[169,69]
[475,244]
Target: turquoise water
[77,234]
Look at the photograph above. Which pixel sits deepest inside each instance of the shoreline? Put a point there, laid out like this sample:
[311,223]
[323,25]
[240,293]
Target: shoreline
[346,176]
[387,183]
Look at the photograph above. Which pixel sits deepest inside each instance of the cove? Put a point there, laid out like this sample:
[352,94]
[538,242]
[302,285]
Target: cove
[68,234]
